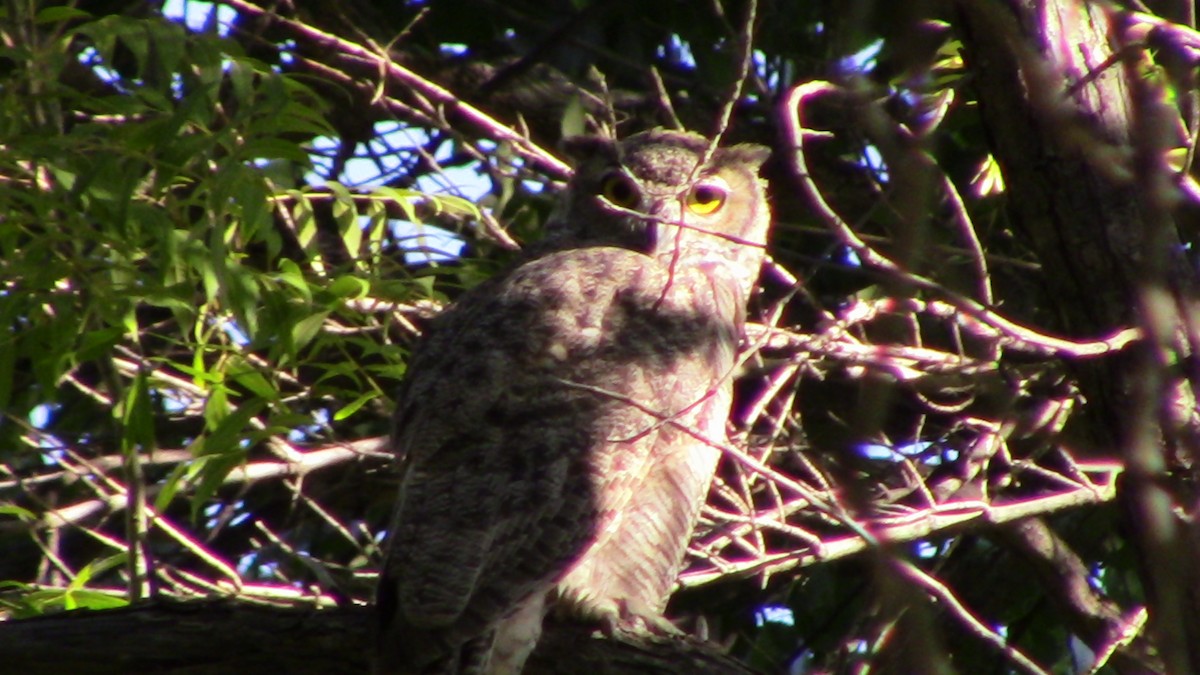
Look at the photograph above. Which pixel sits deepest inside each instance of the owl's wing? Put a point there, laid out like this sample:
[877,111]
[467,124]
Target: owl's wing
[481,515]
[495,499]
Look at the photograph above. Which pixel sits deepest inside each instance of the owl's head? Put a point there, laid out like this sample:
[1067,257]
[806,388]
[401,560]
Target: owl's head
[654,192]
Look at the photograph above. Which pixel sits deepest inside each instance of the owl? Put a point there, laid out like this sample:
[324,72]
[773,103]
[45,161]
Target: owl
[559,425]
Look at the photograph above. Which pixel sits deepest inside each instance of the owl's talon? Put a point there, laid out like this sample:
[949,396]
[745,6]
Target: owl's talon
[619,617]
[660,625]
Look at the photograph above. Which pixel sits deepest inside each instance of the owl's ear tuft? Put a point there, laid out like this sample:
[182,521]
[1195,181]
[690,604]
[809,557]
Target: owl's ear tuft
[749,155]
[581,148]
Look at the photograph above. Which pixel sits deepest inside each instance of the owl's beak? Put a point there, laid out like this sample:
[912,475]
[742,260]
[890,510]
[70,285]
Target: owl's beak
[662,229]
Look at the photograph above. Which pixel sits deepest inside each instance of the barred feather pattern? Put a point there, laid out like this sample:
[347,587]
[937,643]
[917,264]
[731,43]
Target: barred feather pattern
[559,425]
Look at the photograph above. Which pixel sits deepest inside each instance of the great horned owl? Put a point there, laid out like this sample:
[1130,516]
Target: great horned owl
[557,424]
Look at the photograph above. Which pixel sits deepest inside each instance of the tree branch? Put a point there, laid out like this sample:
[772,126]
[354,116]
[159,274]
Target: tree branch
[220,637]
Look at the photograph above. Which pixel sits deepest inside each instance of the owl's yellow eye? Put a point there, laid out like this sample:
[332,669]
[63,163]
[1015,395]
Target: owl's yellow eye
[705,200]
[619,190]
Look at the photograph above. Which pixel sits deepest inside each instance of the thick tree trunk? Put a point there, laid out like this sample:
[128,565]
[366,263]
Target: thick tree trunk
[1057,118]
[1080,129]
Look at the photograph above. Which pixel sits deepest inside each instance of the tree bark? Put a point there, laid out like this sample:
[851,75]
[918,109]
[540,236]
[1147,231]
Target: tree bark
[1081,127]
[219,637]
[1058,122]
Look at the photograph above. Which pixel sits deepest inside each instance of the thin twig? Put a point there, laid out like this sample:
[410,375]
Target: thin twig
[950,601]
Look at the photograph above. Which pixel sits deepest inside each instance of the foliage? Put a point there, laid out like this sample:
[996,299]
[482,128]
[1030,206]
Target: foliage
[212,272]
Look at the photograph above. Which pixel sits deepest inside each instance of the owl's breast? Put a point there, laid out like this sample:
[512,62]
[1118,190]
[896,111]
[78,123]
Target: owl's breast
[613,303]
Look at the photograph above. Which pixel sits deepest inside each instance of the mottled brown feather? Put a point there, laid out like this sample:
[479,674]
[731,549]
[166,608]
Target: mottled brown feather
[552,422]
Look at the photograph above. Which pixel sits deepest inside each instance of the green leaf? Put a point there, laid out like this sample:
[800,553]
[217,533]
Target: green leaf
[345,212]
[60,14]
[77,596]
[137,416]
[23,514]
[242,76]
[216,407]
[352,407]
[275,148]
[211,470]
[455,206]
[290,274]
[405,199]
[376,227]
[95,568]
[223,439]
[347,286]
[307,328]
[306,222]
[243,294]
[95,600]
[249,377]
[252,199]
[170,486]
